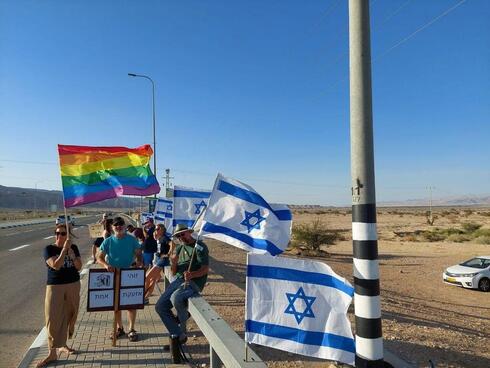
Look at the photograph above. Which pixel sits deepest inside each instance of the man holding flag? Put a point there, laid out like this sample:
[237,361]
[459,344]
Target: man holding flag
[189,264]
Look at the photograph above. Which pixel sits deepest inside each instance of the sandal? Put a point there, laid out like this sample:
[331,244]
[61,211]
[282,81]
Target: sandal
[119,333]
[133,336]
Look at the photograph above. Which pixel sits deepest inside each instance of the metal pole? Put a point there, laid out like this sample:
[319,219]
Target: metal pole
[154,121]
[369,340]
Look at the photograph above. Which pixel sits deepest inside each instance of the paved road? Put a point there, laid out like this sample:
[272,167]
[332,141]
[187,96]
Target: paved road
[23,281]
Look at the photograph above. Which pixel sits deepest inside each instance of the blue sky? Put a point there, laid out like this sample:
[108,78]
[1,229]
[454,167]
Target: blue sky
[256,90]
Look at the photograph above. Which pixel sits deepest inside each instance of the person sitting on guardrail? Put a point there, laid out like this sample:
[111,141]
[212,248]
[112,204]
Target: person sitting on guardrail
[161,262]
[62,293]
[118,251]
[190,265]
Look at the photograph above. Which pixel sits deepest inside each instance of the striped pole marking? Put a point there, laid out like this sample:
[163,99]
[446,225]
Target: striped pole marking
[369,341]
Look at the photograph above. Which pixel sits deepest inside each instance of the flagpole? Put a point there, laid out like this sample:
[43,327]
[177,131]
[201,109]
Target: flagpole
[194,249]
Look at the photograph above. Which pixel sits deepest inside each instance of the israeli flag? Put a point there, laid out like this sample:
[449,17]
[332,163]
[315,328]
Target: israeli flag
[239,216]
[299,306]
[164,213]
[145,216]
[189,204]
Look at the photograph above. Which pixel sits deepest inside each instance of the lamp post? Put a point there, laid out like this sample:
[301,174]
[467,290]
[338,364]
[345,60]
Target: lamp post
[154,135]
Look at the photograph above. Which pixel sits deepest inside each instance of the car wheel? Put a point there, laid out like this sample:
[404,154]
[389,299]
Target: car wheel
[484,284]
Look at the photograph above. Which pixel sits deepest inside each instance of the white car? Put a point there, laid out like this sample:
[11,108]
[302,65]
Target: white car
[473,274]
[61,220]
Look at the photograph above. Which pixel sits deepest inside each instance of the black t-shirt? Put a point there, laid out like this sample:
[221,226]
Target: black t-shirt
[164,244]
[67,273]
[150,244]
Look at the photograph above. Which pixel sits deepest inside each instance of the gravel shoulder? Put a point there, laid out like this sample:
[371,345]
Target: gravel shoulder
[423,318]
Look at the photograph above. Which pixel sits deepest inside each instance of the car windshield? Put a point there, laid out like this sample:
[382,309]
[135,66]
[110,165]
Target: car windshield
[477,263]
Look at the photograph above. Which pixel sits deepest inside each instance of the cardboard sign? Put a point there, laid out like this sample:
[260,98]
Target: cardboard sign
[132,289]
[100,290]
[103,288]
[133,277]
[131,298]
[95,230]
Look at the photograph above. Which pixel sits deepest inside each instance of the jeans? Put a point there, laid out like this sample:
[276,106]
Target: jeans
[176,295]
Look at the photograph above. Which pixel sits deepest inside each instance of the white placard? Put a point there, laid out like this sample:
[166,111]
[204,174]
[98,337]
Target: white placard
[101,280]
[131,296]
[101,299]
[134,277]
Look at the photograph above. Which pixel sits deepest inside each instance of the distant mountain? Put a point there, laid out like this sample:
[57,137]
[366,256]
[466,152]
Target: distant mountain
[467,200]
[41,199]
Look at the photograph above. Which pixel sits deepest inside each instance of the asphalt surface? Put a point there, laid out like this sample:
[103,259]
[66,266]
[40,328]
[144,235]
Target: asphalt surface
[23,283]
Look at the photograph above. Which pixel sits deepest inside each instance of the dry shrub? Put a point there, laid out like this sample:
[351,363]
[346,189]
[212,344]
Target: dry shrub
[470,227]
[457,238]
[313,235]
[484,239]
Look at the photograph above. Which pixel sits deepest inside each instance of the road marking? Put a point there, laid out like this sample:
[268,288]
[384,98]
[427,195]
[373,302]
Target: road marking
[40,340]
[22,246]
[49,237]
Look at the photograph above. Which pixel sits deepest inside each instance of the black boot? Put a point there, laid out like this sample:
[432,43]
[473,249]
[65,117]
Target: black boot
[175,350]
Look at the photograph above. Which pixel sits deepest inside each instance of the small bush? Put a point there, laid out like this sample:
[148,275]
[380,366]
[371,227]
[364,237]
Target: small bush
[470,227]
[484,239]
[457,238]
[313,235]
[481,232]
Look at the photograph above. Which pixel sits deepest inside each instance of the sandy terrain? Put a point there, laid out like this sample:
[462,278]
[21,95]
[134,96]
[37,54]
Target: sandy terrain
[423,318]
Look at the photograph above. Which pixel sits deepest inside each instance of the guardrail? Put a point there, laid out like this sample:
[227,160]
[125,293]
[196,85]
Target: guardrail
[225,346]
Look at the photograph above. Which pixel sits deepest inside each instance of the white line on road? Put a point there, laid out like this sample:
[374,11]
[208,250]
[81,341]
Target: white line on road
[22,246]
[49,237]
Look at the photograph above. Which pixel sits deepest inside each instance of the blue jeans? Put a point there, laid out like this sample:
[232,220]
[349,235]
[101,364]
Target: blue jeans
[148,259]
[176,295]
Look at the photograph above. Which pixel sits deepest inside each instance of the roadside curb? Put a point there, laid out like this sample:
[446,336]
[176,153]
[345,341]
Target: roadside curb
[18,224]
[42,338]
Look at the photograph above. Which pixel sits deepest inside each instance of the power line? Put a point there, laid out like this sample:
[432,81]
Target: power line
[420,29]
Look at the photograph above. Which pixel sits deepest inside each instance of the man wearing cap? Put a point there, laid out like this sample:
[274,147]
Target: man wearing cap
[189,281]
[119,251]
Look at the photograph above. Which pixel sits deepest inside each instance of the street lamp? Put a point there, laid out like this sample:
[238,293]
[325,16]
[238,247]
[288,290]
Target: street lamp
[154,135]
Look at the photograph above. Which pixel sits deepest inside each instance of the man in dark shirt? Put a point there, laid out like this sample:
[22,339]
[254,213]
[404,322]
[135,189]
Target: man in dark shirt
[150,244]
[187,283]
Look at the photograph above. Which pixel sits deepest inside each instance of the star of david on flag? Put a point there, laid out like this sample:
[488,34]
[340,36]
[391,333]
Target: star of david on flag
[164,214]
[299,306]
[188,204]
[252,220]
[308,301]
[199,206]
[238,215]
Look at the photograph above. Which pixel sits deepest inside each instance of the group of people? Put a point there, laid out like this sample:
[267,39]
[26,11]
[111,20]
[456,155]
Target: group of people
[184,257]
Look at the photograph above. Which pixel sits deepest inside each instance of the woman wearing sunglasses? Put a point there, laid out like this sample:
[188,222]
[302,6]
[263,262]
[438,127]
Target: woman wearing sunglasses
[62,293]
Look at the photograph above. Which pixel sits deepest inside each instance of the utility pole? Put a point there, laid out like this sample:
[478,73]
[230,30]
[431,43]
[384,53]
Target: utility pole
[367,303]
[430,217]
[167,177]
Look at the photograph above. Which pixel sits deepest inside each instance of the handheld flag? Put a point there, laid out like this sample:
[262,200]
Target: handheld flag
[92,174]
[164,214]
[189,203]
[299,306]
[239,216]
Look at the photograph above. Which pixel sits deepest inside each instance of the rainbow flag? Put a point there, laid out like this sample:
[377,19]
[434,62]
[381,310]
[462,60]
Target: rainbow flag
[92,174]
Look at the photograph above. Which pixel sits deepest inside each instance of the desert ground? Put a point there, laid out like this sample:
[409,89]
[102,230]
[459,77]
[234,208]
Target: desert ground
[423,318]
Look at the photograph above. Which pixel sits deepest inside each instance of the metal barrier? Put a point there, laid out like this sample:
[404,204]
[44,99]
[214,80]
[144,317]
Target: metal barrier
[225,346]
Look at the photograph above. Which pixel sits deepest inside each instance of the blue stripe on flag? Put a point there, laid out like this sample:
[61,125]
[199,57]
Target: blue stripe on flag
[165,214]
[189,223]
[159,218]
[301,336]
[252,242]
[289,274]
[252,197]
[164,201]
[191,194]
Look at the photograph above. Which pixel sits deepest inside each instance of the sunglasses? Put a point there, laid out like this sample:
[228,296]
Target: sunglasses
[179,236]
[60,233]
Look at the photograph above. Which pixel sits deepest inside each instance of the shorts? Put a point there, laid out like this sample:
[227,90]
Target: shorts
[98,241]
[147,259]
